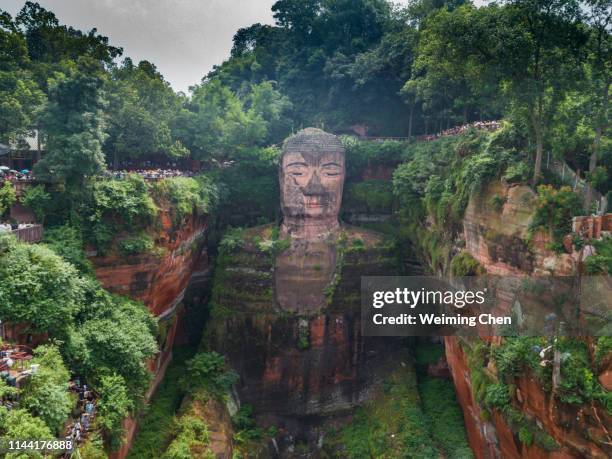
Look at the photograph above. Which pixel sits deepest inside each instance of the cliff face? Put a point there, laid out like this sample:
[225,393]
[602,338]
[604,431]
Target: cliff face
[160,281]
[496,236]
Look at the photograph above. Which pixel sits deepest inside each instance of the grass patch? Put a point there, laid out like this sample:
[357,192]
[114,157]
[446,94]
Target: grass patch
[156,426]
[392,425]
[444,417]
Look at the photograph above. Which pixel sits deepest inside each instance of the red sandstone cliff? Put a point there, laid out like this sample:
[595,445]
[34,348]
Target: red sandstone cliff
[497,238]
[159,280]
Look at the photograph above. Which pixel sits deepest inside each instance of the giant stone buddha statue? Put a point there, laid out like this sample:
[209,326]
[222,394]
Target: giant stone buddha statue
[289,320]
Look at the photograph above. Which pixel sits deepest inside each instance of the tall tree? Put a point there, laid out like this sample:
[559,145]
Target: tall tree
[599,70]
[537,48]
[141,108]
[73,123]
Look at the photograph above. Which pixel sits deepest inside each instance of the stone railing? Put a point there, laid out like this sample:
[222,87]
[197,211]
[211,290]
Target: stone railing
[592,226]
[33,233]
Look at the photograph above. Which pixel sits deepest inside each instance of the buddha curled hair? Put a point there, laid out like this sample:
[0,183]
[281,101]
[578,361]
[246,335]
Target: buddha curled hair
[312,141]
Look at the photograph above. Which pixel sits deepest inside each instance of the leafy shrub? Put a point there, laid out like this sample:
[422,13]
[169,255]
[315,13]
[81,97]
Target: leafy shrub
[188,195]
[525,436]
[7,197]
[113,406]
[578,384]
[233,239]
[141,243]
[517,172]
[67,242]
[598,178]
[207,370]
[191,440]
[246,428]
[37,287]
[515,354]
[118,205]
[497,396]
[126,200]
[601,262]
[46,393]
[37,200]
[555,209]
[464,264]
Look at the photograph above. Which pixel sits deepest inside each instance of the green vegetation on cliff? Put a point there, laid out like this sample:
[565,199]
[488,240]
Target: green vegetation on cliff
[99,334]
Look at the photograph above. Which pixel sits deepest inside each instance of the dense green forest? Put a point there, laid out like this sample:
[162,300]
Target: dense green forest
[544,67]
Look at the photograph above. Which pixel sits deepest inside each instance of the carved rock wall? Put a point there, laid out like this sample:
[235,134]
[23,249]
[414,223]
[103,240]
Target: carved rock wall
[497,238]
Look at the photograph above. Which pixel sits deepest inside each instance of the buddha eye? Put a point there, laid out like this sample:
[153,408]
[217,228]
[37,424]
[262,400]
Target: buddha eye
[332,174]
[296,174]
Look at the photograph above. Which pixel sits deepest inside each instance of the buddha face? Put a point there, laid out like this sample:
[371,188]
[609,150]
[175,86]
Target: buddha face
[311,183]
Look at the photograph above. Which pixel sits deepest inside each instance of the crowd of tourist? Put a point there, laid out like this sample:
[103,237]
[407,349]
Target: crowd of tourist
[14,371]
[15,176]
[84,414]
[150,174]
[458,130]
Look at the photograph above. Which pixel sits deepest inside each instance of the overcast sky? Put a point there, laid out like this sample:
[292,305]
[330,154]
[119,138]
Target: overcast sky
[183,38]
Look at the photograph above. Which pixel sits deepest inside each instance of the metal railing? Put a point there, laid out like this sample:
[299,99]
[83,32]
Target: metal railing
[581,187]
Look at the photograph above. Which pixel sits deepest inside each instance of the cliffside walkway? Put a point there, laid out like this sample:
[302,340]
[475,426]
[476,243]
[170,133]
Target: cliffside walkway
[569,177]
[490,126]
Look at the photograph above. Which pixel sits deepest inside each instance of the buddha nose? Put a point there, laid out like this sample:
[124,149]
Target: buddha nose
[314,187]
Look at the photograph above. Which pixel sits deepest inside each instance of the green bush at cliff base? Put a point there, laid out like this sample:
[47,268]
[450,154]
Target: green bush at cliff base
[191,440]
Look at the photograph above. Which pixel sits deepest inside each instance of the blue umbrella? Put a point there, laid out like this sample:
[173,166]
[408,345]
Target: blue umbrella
[25,171]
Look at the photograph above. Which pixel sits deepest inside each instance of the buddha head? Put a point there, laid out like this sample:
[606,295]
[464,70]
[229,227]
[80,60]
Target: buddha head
[311,179]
